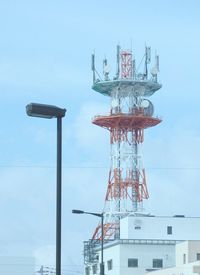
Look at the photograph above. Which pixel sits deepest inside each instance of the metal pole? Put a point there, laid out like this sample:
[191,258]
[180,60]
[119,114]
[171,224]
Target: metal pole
[58,196]
[102,240]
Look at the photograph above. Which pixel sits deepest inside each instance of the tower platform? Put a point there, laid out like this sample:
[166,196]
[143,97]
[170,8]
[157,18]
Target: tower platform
[128,122]
[140,87]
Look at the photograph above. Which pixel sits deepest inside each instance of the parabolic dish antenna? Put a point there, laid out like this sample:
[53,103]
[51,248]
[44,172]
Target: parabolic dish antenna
[148,107]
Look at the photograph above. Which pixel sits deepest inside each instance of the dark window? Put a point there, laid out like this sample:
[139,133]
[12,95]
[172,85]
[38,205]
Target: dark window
[169,230]
[110,264]
[87,270]
[157,263]
[137,227]
[94,269]
[184,258]
[132,262]
[198,256]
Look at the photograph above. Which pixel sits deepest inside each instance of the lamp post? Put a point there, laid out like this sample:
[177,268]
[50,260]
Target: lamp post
[49,111]
[75,211]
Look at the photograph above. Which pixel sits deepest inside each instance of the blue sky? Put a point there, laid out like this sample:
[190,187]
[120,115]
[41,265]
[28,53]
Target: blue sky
[45,54]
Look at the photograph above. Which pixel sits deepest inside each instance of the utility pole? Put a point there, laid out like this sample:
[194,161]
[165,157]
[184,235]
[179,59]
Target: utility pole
[41,271]
[45,270]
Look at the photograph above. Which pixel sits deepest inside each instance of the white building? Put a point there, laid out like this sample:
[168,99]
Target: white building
[187,260]
[146,243]
[160,228]
[17,266]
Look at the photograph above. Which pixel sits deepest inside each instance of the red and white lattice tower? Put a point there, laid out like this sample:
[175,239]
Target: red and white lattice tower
[130,113]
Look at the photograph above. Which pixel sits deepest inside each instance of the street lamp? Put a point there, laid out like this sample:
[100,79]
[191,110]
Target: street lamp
[49,111]
[75,211]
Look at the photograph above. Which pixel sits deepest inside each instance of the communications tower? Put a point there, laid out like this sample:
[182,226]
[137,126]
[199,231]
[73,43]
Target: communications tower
[130,113]
[134,241]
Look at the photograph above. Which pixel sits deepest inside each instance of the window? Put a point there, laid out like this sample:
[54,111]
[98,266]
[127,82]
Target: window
[157,263]
[184,258]
[87,270]
[169,230]
[94,269]
[110,265]
[137,227]
[198,256]
[132,262]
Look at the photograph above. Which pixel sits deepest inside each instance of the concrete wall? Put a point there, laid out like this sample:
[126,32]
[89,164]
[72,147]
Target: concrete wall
[181,249]
[193,249]
[145,227]
[187,269]
[145,253]
[190,249]
[141,231]
[112,253]
[191,266]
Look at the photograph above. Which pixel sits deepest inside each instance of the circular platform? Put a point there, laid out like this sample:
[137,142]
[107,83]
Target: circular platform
[142,87]
[128,122]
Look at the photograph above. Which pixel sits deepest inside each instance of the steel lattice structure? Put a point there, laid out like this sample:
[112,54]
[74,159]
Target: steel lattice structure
[130,113]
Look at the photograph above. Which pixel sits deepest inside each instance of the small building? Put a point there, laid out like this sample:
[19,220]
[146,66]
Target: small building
[147,243]
[187,260]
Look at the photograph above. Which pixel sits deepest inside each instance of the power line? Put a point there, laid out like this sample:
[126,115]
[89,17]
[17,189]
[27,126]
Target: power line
[93,167]
[46,270]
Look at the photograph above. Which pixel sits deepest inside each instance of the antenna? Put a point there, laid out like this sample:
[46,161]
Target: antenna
[118,61]
[148,54]
[130,114]
[147,60]
[106,69]
[105,62]
[157,63]
[93,67]
[155,69]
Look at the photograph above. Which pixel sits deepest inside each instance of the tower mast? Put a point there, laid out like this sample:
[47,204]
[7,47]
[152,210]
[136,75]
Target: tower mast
[130,113]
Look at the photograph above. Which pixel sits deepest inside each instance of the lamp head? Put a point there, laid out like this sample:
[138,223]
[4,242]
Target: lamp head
[44,111]
[75,211]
